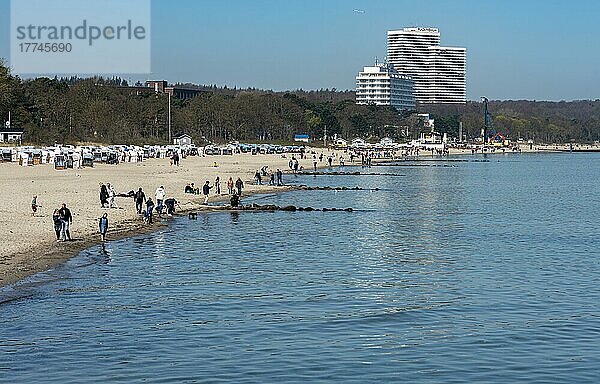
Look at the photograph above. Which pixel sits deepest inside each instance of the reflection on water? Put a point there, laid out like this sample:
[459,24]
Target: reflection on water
[480,272]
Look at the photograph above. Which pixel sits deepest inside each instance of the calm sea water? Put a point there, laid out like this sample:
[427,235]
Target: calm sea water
[471,272]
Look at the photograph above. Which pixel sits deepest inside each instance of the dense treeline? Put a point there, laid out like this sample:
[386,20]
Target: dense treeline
[542,121]
[103,110]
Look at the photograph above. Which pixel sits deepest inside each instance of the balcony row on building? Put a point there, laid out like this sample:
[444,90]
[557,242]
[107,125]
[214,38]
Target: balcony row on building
[417,70]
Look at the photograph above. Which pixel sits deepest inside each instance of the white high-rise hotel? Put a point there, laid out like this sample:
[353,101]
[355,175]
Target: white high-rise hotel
[439,72]
[381,84]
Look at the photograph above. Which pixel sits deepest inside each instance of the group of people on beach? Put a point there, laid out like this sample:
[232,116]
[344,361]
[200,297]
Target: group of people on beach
[107,196]
[232,188]
[162,203]
[264,172]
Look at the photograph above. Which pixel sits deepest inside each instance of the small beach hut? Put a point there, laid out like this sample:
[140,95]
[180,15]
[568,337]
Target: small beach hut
[60,162]
[302,138]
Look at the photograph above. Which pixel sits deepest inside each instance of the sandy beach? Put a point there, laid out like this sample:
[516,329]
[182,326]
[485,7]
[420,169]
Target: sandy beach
[27,243]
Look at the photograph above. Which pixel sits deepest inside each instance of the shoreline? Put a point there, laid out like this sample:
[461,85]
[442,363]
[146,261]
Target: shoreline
[28,243]
[47,254]
[30,263]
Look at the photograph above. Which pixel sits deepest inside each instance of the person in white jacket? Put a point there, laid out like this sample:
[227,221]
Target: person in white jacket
[160,197]
[111,196]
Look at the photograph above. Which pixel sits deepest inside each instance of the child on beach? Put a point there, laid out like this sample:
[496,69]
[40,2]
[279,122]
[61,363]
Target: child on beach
[34,205]
[103,224]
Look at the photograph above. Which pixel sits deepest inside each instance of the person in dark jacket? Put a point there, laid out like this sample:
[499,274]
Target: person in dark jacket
[234,200]
[170,204]
[66,219]
[239,184]
[57,224]
[205,191]
[103,196]
[149,209]
[103,226]
[140,198]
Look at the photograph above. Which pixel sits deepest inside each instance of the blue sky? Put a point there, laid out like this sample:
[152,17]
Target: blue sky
[528,49]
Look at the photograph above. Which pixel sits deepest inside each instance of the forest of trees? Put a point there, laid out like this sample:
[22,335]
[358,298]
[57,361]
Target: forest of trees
[102,110]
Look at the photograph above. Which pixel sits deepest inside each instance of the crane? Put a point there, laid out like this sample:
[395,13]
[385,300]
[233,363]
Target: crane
[488,132]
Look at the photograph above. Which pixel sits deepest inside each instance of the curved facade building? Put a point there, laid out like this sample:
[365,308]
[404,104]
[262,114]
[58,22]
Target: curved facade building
[439,73]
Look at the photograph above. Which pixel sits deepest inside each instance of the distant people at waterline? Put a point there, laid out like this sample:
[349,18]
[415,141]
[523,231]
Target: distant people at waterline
[149,209]
[234,201]
[239,184]
[103,226]
[206,191]
[159,195]
[279,177]
[191,188]
[170,204]
[230,186]
[257,178]
[217,186]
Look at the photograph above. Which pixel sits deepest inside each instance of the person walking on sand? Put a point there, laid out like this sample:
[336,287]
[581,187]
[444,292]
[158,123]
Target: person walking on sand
[160,194]
[103,226]
[279,177]
[330,161]
[342,161]
[103,196]
[272,179]
[239,184]
[34,205]
[57,224]
[140,198]
[230,186]
[206,190]
[66,219]
[111,196]
[217,186]
[296,165]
